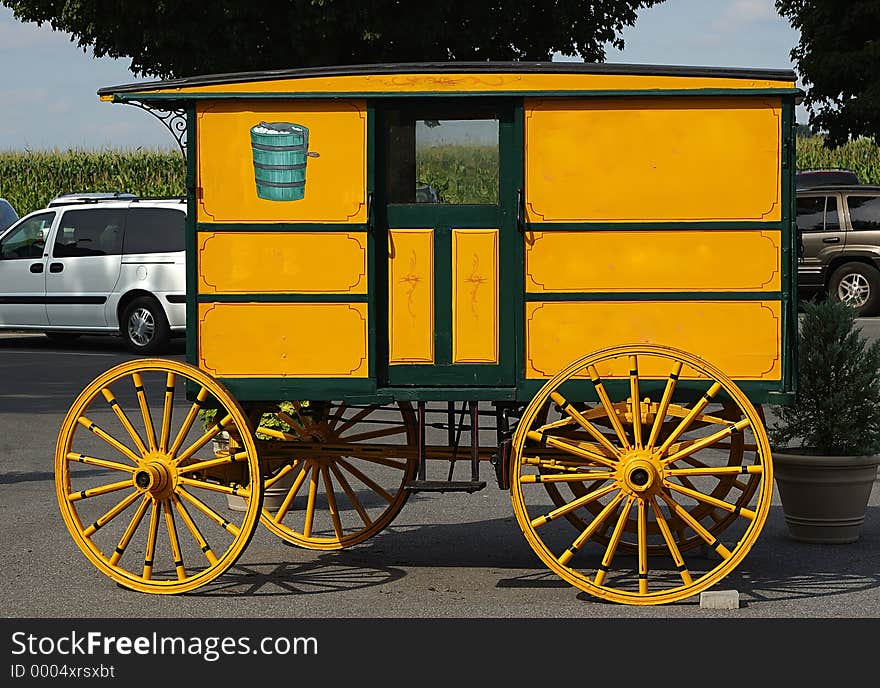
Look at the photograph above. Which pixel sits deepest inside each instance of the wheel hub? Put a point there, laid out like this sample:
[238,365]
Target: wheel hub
[156,476]
[640,472]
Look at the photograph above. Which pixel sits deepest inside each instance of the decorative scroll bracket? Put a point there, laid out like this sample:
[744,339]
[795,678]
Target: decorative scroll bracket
[174,119]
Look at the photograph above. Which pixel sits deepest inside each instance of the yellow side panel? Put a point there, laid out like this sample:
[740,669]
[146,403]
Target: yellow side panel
[740,337]
[653,159]
[283,339]
[475,296]
[282,262]
[483,82]
[335,168]
[411,295]
[625,261]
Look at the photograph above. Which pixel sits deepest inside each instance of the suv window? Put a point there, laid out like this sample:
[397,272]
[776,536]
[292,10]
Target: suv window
[93,232]
[817,213]
[864,211]
[154,230]
[29,239]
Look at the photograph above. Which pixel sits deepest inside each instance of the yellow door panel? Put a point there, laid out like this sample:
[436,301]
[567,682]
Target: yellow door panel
[740,337]
[411,295]
[283,339]
[242,178]
[631,261]
[282,262]
[653,159]
[475,296]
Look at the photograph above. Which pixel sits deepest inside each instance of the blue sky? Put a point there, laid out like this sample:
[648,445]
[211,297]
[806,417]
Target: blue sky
[49,85]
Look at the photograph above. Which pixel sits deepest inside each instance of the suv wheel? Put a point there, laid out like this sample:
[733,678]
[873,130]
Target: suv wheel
[858,285]
[144,326]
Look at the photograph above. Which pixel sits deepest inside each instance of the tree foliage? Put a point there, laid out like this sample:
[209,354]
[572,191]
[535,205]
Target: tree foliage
[173,38]
[838,56]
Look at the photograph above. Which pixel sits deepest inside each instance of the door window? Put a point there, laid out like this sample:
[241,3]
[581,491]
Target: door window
[817,214]
[154,230]
[864,211]
[29,239]
[92,232]
[452,159]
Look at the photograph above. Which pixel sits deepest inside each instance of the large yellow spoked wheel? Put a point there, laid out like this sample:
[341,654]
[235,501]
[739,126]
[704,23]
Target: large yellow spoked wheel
[652,484]
[338,471]
[140,489]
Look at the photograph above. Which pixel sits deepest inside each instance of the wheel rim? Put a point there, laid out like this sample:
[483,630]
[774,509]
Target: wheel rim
[335,499]
[854,290]
[141,326]
[148,511]
[655,473]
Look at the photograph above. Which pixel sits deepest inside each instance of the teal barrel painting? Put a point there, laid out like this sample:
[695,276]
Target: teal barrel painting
[280,151]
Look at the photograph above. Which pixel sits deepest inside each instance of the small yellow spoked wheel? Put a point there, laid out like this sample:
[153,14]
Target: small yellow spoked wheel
[650,488]
[337,474]
[139,487]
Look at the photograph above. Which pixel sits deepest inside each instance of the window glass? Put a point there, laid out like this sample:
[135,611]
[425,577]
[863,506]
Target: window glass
[29,239]
[450,160]
[92,232]
[154,230]
[831,219]
[864,211]
[811,214]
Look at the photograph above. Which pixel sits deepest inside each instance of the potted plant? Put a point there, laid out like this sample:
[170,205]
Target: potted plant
[826,444]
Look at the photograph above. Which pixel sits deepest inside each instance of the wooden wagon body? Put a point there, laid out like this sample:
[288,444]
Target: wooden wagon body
[628,234]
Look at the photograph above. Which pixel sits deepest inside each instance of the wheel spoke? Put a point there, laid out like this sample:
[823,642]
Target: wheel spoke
[166,412]
[357,417]
[194,531]
[126,423]
[613,543]
[707,441]
[138,382]
[113,442]
[352,497]
[214,487]
[129,531]
[210,463]
[579,418]
[152,536]
[721,504]
[366,481]
[206,437]
[755,469]
[101,490]
[573,449]
[102,463]
[635,401]
[643,546]
[284,470]
[664,404]
[172,539]
[291,493]
[689,520]
[331,502]
[209,512]
[337,415]
[310,505]
[386,432]
[556,465]
[595,524]
[670,543]
[188,421]
[571,506]
[391,463]
[111,514]
[610,409]
[567,477]
[689,418]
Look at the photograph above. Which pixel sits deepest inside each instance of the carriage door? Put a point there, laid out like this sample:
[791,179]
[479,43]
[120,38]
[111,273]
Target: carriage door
[445,196]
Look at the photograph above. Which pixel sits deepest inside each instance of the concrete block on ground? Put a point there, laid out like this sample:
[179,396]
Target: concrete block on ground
[719,599]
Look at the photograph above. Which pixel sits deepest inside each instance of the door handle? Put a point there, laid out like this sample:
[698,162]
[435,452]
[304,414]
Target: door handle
[56,267]
[36,268]
[831,240]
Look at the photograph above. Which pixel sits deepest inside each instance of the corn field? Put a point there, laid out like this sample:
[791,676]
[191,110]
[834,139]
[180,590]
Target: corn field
[461,174]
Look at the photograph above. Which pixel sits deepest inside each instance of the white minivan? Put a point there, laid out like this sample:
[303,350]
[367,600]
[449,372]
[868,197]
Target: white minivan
[97,266]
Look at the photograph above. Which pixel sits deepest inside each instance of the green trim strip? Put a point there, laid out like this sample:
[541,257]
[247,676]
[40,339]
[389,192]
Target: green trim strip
[279,227]
[658,296]
[283,298]
[647,226]
[601,93]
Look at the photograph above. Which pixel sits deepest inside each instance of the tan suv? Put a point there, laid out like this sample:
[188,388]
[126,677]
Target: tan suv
[839,227]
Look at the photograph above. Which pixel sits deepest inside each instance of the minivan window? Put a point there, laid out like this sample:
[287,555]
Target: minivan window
[154,230]
[817,213]
[93,232]
[28,240]
[864,211]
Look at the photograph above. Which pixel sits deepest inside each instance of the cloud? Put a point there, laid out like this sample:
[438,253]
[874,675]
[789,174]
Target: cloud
[738,13]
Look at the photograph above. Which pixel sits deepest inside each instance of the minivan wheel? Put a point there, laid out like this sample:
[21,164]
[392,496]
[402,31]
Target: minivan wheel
[144,326]
[858,285]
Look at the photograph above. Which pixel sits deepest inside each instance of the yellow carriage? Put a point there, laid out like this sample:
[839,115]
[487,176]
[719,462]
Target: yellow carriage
[593,265]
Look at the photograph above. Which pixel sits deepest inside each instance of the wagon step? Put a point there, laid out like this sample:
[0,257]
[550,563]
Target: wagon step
[444,485]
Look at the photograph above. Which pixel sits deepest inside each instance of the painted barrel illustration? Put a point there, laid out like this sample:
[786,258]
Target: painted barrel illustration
[280,151]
